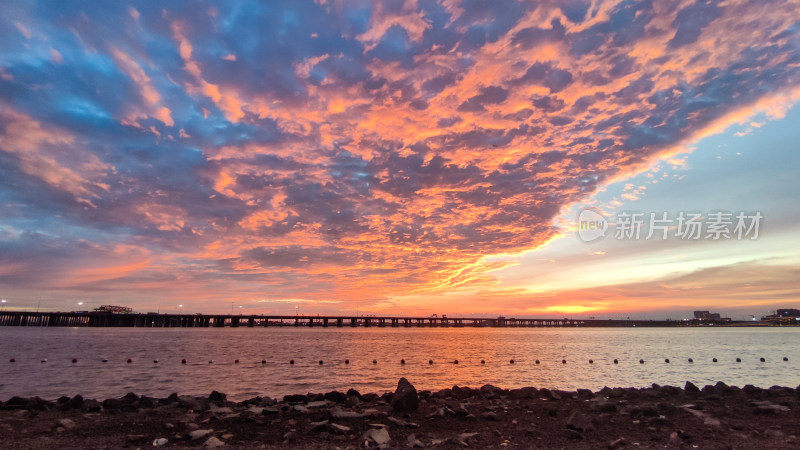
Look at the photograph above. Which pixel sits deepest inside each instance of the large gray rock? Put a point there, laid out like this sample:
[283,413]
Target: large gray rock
[579,422]
[377,435]
[405,397]
[199,434]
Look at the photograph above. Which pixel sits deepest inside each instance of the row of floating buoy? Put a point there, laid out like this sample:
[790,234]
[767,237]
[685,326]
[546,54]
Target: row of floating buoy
[403,361]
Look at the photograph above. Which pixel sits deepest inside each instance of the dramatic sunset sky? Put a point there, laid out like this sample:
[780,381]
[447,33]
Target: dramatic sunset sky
[399,157]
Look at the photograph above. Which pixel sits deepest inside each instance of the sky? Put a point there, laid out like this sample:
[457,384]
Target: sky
[398,157]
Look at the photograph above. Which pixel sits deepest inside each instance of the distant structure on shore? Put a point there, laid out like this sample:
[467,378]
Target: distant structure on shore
[706,316]
[783,316]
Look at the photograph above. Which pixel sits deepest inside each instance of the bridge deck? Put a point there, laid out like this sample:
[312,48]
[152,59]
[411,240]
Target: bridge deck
[99,319]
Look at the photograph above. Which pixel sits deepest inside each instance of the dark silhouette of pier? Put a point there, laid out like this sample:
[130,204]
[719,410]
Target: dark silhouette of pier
[104,319]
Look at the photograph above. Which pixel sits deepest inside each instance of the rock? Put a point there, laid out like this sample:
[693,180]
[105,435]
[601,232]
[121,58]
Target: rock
[338,429]
[585,393]
[353,400]
[335,396]
[92,406]
[289,436]
[767,407]
[371,397]
[252,409]
[269,411]
[318,426]
[135,438]
[351,392]
[690,387]
[338,413]
[199,434]
[301,409]
[401,422]
[458,441]
[147,402]
[189,402]
[572,434]
[317,404]
[405,397]
[296,398]
[111,404]
[602,405]
[491,415]
[712,422]
[523,393]
[21,403]
[377,435]
[75,402]
[213,442]
[220,409]
[774,434]
[580,422]
[217,397]
[160,442]
[413,442]
[617,443]
[67,424]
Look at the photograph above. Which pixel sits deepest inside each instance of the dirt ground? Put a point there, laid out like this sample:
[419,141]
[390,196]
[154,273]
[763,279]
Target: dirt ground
[489,417]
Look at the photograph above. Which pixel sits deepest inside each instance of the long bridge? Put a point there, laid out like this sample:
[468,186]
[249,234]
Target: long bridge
[152,320]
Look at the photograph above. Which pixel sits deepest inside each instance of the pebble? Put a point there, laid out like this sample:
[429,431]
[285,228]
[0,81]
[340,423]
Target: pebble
[379,436]
[67,424]
[199,434]
[213,442]
[413,442]
[160,442]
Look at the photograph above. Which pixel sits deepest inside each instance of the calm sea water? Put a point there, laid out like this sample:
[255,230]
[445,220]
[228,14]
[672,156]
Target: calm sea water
[94,379]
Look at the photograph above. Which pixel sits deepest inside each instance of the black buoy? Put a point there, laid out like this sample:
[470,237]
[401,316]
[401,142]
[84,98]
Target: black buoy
[785,358]
[347,361]
[320,362]
[104,360]
[183,361]
[374,361]
[483,361]
[263,361]
[511,362]
[563,361]
[291,361]
[129,361]
[691,360]
[211,361]
[74,360]
[738,359]
[44,360]
[402,361]
[666,360]
[616,361]
[537,361]
[12,360]
[236,361]
[591,361]
[430,361]
[763,360]
[455,362]
[155,361]
[713,359]
[641,361]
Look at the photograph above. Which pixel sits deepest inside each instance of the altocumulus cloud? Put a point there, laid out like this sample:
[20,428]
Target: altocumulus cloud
[346,150]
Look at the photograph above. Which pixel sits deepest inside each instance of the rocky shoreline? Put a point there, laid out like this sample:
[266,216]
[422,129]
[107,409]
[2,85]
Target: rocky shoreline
[717,416]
